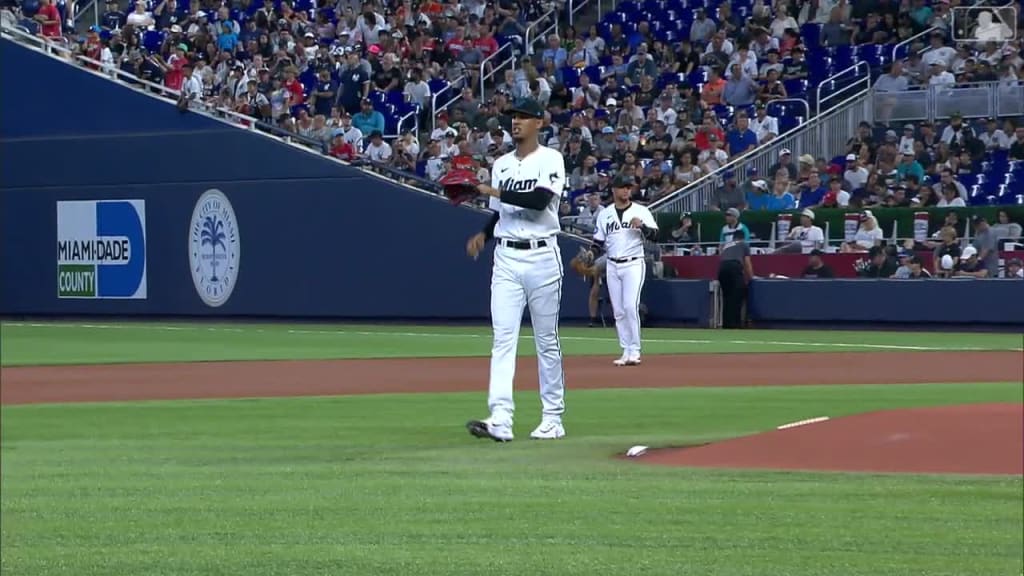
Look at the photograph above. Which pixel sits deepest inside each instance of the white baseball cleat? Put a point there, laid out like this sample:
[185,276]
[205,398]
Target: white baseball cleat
[621,361]
[548,430]
[488,429]
[633,361]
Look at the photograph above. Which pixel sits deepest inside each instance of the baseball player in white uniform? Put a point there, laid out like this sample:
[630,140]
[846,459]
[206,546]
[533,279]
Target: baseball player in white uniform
[525,191]
[620,230]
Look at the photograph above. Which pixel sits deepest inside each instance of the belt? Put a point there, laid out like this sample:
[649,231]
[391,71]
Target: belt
[624,260]
[522,244]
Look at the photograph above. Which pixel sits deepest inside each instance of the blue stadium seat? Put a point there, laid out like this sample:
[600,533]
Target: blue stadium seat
[152,40]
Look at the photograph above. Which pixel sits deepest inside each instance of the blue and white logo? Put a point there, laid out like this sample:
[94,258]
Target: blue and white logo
[101,249]
[214,248]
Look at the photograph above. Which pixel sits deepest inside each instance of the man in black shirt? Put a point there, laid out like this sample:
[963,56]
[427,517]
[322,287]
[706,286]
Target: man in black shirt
[879,264]
[113,18]
[1017,148]
[816,268]
[796,66]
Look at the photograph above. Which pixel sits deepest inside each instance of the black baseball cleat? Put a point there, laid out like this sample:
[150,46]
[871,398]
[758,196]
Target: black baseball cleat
[485,429]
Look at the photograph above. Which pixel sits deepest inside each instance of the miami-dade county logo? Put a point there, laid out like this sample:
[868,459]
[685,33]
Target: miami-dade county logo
[101,249]
[214,248]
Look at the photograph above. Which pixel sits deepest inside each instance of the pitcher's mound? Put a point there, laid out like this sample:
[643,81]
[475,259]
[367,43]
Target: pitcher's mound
[968,439]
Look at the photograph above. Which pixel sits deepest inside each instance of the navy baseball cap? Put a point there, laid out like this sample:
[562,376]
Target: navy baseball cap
[623,181]
[527,107]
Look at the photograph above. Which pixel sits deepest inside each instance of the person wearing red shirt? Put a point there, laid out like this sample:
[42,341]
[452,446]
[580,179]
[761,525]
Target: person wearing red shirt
[457,44]
[486,42]
[342,149]
[49,19]
[294,87]
[93,46]
[174,76]
[702,140]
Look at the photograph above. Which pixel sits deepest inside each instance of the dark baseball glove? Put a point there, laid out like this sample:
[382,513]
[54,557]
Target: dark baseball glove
[460,185]
[583,263]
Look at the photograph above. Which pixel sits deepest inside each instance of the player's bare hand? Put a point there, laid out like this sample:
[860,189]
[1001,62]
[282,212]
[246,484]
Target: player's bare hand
[636,223]
[475,245]
[488,190]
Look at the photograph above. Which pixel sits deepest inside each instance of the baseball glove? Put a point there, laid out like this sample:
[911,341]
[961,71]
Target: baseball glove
[583,263]
[460,185]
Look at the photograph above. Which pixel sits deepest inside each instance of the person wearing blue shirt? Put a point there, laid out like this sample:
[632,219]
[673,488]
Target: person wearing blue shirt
[741,139]
[758,197]
[780,198]
[812,192]
[368,120]
[908,166]
[228,40]
[555,52]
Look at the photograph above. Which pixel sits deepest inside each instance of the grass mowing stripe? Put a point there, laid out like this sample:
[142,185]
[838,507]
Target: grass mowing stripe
[470,335]
[392,485]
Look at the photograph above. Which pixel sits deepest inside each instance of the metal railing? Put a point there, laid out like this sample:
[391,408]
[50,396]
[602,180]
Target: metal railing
[549,16]
[974,100]
[510,59]
[81,11]
[824,136]
[801,101]
[859,84]
[575,6]
[454,92]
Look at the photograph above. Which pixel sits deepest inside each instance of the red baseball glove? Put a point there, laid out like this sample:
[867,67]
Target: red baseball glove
[460,185]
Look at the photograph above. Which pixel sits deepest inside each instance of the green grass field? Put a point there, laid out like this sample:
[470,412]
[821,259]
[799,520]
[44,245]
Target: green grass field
[392,484]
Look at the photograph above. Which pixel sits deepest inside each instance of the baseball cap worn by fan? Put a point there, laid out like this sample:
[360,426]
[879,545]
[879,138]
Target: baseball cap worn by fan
[527,107]
[968,252]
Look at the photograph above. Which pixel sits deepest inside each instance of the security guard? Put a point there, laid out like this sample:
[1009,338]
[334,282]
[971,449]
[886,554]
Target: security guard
[734,268]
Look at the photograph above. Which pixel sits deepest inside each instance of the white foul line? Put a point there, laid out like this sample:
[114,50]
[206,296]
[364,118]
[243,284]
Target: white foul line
[132,326]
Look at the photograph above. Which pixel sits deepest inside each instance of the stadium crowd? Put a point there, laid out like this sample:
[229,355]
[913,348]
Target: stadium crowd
[665,95]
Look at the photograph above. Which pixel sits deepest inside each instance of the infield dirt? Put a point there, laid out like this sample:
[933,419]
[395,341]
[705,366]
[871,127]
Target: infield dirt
[986,450]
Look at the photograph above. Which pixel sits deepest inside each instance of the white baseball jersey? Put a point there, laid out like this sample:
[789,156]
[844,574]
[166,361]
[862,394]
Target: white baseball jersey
[543,168]
[612,228]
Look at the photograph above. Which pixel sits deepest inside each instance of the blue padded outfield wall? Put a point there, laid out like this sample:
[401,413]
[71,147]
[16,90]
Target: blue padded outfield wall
[99,193]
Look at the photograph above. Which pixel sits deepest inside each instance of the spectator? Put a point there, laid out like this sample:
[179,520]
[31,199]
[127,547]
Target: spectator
[1004,228]
[785,164]
[811,192]
[781,198]
[911,269]
[986,244]
[113,18]
[711,93]
[686,172]
[948,246]
[804,238]
[702,28]
[764,126]
[714,157]
[950,197]
[816,268]
[140,17]
[341,149]
[879,264]
[993,138]
[1014,268]
[1017,144]
[684,233]
[741,139]
[48,18]
[740,90]
[378,151]
[971,265]
[368,120]
[856,176]
[868,235]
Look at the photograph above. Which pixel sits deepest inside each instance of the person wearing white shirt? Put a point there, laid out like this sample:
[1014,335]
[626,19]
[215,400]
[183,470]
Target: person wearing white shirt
[939,76]
[378,150]
[868,234]
[665,112]
[765,127]
[805,237]
[713,158]
[993,137]
[856,176]
[192,86]
[906,145]
[938,52]
[950,197]
[747,60]
[781,23]
[620,231]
